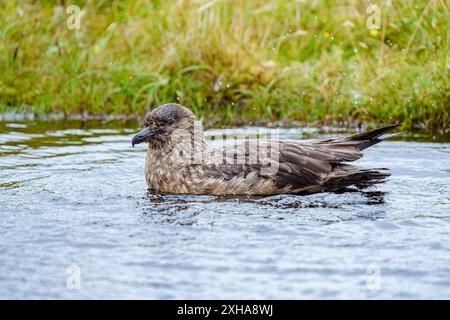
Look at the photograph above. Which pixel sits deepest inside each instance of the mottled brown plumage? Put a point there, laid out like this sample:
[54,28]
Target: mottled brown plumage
[180,161]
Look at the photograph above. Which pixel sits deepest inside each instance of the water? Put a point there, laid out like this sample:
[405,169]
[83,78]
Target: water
[73,201]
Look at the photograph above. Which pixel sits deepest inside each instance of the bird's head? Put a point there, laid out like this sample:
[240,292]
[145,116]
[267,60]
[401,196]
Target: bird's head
[162,122]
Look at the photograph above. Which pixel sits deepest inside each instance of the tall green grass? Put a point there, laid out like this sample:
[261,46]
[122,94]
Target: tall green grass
[231,61]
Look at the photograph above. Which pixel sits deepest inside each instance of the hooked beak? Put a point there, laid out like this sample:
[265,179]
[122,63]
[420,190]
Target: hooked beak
[143,136]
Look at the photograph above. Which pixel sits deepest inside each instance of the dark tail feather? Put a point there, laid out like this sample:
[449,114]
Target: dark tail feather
[347,175]
[362,140]
[344,175]
[369,138]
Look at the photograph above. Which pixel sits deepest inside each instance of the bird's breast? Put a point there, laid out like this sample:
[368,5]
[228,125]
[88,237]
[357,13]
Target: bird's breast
[163,175]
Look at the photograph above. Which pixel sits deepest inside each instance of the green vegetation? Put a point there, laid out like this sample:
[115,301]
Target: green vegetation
[231,61]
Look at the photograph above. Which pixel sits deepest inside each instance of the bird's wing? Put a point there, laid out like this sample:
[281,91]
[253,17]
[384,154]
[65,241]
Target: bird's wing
[357,142]
[304,165]
[288,164]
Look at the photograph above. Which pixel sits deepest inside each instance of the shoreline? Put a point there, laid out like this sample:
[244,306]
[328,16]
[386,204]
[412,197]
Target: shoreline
[289,123]
[16,120]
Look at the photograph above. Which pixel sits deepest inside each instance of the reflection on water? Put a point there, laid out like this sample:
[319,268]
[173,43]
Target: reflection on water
[73,193]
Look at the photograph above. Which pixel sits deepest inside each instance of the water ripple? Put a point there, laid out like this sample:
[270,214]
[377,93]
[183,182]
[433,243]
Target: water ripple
[73,193]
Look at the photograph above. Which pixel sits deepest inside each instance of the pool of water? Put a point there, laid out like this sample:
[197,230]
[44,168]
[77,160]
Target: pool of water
[76,222]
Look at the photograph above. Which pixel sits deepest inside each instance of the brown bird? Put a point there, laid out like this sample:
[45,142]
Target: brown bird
[180,161]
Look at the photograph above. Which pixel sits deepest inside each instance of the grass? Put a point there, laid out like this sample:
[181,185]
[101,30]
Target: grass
[232,62]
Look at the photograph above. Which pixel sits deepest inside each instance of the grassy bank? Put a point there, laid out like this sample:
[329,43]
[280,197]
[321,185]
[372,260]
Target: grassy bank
[231,61]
